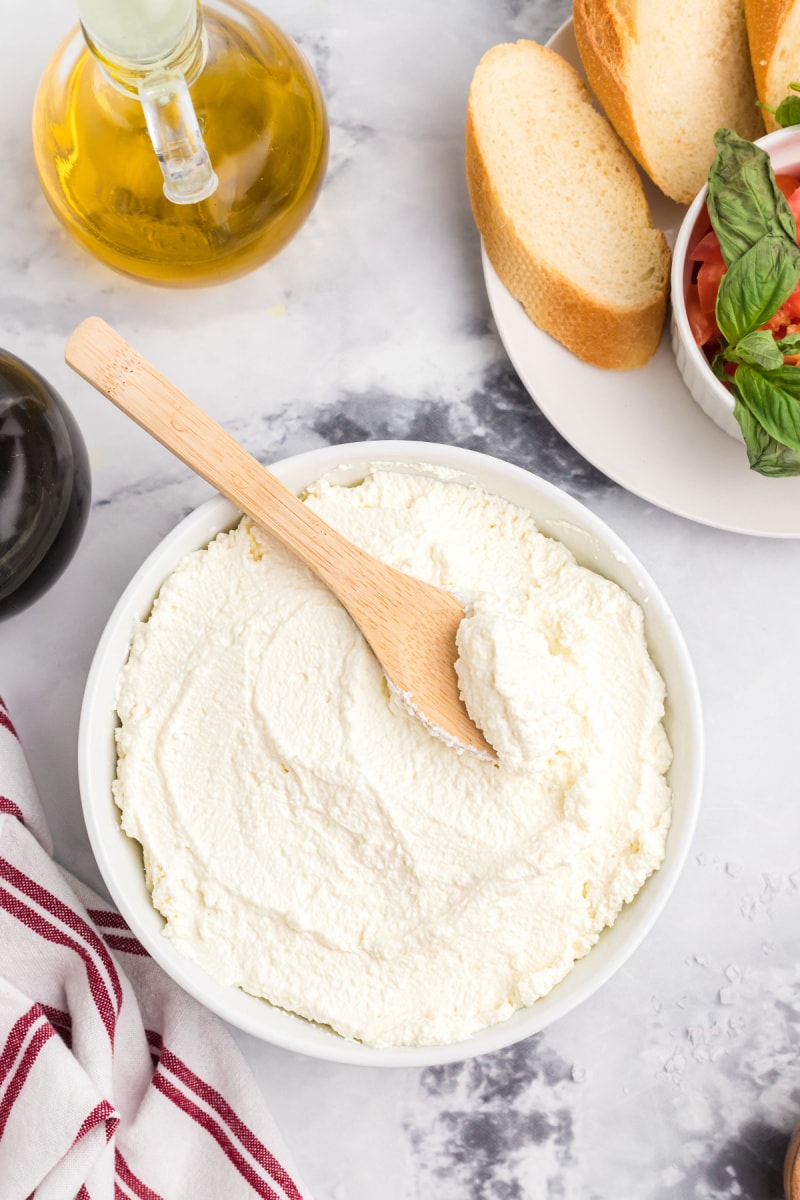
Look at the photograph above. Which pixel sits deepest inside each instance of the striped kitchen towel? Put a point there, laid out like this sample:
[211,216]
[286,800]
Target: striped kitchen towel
[114,1084]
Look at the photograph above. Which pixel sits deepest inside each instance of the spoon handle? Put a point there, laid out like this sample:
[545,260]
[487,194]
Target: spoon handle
[105,360]
[410,625]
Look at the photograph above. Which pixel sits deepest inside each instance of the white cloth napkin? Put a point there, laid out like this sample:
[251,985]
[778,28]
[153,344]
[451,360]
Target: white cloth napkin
[114,1084]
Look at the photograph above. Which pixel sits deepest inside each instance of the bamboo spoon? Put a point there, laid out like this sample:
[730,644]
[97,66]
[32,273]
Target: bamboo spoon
[410,625]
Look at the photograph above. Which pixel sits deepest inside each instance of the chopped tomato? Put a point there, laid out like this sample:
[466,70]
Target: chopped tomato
[712,267]
[790,186]
[701,295]
[792,307]
[787,184]
[707,249]
[702,324]
[708,279]
[787,314]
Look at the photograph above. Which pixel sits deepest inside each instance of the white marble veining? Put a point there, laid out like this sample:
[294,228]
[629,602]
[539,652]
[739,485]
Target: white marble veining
[681,1078]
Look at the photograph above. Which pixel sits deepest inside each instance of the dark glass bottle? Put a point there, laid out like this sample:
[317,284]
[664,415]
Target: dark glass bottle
[45,486]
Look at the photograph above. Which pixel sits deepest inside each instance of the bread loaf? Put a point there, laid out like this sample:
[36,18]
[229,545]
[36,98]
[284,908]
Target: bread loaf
[773,28]
[668,75]
[561,208]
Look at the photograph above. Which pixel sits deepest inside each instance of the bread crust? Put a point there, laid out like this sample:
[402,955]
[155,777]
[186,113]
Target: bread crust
[609,43]
[603,41]
[613,338]
[764,20]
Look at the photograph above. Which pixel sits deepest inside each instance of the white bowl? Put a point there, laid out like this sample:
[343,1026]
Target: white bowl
[594,545]
[783,147]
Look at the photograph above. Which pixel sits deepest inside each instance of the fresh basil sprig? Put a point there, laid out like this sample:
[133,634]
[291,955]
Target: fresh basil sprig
[765,455]
[757,234]
[756,285]
[773,398]
[744,202]
[757,349]
[788,111]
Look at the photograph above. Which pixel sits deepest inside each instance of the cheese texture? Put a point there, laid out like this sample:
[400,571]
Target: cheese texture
[307,839]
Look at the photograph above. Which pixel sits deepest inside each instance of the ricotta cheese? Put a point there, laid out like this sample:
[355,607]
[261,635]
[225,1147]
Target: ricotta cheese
[308,840]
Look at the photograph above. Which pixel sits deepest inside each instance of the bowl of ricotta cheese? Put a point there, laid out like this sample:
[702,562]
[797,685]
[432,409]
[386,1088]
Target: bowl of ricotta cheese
[302,855]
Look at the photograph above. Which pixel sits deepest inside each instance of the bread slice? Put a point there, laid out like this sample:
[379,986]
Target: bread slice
[561,208]
[773,28]
[669,73]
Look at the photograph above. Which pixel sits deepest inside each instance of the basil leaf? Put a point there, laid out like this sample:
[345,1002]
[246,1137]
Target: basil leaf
[774,400]
[789,344]
[788,111]
[744,202]
[777,460]
[765,454]
[788,380]
[756,285]
[759,349]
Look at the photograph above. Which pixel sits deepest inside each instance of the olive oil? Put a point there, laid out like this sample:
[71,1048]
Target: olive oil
[262,118]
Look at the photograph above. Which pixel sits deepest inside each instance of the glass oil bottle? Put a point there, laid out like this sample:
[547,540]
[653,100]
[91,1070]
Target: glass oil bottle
[181,145]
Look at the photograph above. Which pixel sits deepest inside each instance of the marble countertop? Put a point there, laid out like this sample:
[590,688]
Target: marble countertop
[681,1077]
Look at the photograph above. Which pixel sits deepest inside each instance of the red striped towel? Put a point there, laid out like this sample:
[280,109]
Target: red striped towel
[114,1084]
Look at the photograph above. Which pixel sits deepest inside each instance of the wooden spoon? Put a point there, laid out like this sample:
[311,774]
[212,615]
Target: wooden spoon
[410,625]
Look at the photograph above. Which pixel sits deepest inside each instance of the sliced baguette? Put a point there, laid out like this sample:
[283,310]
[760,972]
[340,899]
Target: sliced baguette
[773,27]
[561,208]
[668,75]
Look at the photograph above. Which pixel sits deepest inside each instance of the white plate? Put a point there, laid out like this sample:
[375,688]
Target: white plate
[642,428]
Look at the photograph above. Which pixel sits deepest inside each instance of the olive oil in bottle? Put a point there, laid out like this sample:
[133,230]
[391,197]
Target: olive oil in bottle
[183,150]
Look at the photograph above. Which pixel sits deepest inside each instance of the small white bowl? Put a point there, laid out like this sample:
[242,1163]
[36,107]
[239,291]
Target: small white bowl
[594,545]
[783,147]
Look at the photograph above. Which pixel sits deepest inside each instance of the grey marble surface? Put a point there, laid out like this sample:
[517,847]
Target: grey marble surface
[681,1078]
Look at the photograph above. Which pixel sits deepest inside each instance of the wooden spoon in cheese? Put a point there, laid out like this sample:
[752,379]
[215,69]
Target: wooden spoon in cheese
[410,625]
